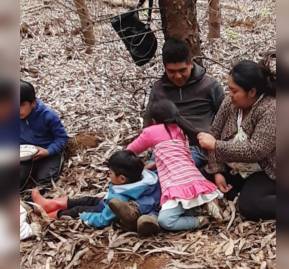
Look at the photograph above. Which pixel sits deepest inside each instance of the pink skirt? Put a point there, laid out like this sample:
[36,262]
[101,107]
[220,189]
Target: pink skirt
[188,191]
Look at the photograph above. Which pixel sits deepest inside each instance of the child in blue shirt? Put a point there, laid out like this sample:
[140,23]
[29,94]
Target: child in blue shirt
[40,126]
[129,182]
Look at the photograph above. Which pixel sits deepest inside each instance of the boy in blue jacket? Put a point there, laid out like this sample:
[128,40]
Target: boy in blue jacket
[129,182]
[40,126]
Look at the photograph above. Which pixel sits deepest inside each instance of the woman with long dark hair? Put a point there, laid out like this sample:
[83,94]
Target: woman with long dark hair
[242,146]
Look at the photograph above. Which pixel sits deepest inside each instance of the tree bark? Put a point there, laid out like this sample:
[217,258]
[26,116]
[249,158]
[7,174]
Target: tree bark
[179,20]
[86,22]
[214,19]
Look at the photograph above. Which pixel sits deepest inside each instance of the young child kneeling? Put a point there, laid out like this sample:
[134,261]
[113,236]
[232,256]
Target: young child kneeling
[182,184]
[40,126]
[129,182]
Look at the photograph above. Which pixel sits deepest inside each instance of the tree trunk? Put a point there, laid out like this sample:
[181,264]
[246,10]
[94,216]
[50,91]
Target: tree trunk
[86,23]
[214,19]
[179,20]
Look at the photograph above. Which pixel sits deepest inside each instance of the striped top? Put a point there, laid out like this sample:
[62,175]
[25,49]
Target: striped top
[178,175]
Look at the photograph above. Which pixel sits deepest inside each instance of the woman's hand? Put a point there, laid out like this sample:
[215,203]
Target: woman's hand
[207,141]
[222,184]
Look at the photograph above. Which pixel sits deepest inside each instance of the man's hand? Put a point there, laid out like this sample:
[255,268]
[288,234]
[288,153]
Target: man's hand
[207,141]
[42,153]
[222,184]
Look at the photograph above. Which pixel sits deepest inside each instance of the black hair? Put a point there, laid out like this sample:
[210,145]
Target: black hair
[126,163]
[165,112]
[27,92]
[248,75]
[7,89]
[176,51]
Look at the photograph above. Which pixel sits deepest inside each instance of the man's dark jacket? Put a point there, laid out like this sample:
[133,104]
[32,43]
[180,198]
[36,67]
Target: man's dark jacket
[198,100]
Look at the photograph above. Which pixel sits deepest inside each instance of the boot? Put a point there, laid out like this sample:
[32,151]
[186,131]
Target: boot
[126,212]
[148,225]
[53,214]
[49,205]
[215,211]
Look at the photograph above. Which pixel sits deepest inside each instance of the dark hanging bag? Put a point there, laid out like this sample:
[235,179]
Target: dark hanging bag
[137,36]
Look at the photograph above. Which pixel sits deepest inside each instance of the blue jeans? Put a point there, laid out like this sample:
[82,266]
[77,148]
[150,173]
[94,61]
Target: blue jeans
[198,156]
[177,219]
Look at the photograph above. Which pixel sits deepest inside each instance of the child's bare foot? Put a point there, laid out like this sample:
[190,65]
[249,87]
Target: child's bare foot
[215,211]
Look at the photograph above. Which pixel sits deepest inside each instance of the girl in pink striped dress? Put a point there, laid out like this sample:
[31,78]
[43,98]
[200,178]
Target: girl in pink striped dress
[183,186]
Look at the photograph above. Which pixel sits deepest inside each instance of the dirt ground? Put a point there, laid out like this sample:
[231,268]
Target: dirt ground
[92,260]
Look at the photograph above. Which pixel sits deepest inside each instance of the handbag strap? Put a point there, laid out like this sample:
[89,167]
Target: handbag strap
[151,2]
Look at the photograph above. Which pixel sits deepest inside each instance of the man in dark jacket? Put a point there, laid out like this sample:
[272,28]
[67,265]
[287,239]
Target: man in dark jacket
[197,95]
[198,98]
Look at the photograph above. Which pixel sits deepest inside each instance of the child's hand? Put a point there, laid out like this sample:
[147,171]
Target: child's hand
[42,153]
[207,141]
[151,166]
[222,184]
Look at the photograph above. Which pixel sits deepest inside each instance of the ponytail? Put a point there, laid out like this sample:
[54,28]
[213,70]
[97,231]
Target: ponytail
[185,126]
[165,112]
[271,78]
[188,129]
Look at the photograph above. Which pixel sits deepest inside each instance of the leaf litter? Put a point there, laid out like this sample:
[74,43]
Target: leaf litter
[101,95]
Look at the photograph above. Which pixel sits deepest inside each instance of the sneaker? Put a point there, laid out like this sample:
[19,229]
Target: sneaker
[126,212]
[215,211]
[148,225]
[203,221]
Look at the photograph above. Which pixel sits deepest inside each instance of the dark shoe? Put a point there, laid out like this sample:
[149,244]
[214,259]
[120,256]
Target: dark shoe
[126,212]
[148,225]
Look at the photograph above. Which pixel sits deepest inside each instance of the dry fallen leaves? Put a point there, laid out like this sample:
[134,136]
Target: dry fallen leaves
[103,93]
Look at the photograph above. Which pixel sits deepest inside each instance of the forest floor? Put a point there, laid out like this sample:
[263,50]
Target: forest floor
[100,95]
